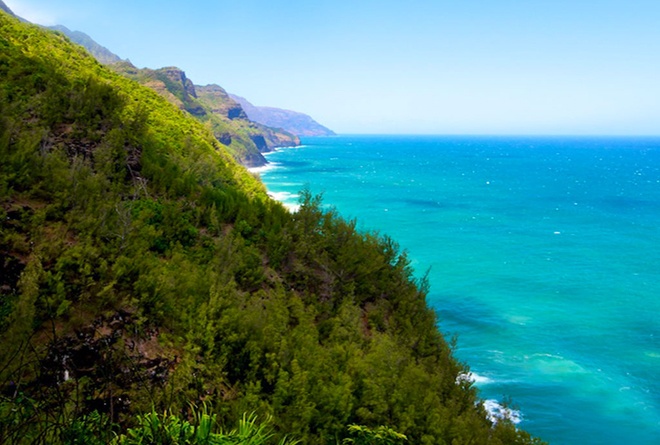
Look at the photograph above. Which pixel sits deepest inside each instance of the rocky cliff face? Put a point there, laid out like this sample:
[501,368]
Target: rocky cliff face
[292,121]
[221,103]
[211,104]
[176,83]
[177,77]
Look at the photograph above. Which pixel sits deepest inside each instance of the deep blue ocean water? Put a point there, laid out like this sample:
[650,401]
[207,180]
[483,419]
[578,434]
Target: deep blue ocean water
[544,259]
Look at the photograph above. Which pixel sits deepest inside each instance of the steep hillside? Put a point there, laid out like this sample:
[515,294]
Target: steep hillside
[211,105]
[143,270]
[245,140]
[292,121]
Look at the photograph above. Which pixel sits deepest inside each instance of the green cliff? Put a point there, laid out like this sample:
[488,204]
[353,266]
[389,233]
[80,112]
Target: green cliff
[244,139]
[142,269]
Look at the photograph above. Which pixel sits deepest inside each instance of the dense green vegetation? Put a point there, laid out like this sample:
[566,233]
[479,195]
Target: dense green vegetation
[143,271]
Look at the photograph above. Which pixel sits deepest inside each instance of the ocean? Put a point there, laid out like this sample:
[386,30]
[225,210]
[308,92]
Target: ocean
[543,257]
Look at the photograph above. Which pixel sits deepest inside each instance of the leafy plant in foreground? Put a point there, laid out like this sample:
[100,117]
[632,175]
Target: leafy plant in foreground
[381,435]
[169,429]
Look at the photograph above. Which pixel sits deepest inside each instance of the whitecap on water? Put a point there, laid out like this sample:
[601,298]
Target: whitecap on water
[286,198]
[472,377]
[264,168]
[282,196]
[496,412]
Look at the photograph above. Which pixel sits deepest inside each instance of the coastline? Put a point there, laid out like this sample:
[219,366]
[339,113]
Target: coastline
[283,197]
[496,410]
[488,192]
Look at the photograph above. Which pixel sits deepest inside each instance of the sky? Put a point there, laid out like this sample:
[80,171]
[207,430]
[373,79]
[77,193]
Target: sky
[579,67]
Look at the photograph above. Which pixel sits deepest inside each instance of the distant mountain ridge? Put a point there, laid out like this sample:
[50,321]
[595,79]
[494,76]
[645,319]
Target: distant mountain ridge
[246,138]
[100,53]
[6,9]
[294,122]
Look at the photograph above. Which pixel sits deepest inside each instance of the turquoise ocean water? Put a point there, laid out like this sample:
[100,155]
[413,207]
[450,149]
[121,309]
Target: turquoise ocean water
[544,259]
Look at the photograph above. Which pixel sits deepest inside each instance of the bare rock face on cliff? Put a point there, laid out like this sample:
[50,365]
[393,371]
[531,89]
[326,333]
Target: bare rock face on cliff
[221,103]
[175,82]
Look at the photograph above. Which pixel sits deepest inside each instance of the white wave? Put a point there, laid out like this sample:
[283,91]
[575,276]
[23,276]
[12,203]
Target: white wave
[288,200]
[473,377]
[496,412]
[293,147]
[480,379]
[264,168]
[282,196]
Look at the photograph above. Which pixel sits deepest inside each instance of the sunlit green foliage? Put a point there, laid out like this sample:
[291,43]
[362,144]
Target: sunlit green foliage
[376,436]
[143,269]
[169,429]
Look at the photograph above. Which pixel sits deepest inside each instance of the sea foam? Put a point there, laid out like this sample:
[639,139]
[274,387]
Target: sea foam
[472,377]
[264,168]
[496,412]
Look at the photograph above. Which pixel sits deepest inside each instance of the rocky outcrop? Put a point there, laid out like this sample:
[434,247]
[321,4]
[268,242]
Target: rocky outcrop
[221,103]
[181,87]
[260,142]
[178,77]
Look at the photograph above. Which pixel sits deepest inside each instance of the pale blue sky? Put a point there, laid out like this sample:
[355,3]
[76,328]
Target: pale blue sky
[414,66]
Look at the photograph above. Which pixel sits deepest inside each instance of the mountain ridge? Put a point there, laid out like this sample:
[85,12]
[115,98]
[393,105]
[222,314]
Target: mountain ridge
[100,52]
[245,140]
[6,8]
[294,122]
[211,105]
